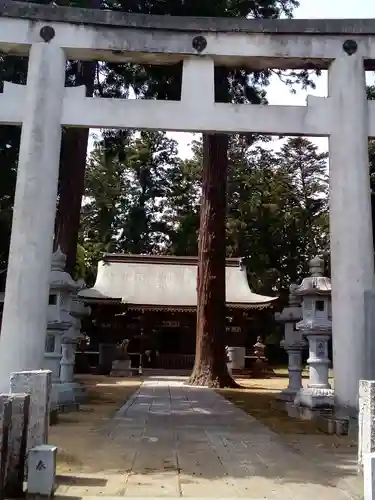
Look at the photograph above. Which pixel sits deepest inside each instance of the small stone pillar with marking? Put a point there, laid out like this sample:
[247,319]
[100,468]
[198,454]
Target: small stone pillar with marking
[5,423]
[316,326]
[42,471]
[369,476]
[366,420]
[20,407]
[38,385]
[293,344]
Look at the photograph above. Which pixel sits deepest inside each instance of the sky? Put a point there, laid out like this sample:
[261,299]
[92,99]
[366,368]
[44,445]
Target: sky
[277,92]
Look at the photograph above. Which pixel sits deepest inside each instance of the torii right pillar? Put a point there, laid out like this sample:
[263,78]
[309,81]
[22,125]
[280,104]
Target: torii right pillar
[352,257]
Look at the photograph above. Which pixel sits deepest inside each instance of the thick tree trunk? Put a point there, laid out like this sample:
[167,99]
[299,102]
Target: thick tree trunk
[72,178]
[210,367]
[71,189]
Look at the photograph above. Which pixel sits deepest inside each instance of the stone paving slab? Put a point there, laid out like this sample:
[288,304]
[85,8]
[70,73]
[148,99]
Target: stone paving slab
[180,441]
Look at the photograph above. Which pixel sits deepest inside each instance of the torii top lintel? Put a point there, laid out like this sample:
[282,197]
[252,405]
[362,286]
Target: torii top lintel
[74,15]
[121,37]
[201,44]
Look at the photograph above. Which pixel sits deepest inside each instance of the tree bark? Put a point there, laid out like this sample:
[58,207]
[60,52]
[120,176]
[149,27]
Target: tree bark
[210,368]
[72,178]
[72,172]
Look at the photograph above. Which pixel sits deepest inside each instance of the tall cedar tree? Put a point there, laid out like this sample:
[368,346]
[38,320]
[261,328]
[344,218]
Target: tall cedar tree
[210,358]
[210,367]
[73,158]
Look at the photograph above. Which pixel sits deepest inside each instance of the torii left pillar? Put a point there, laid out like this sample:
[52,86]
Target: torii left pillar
[23,331]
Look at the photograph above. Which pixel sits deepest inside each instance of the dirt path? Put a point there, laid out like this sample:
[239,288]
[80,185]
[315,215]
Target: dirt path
[82,444]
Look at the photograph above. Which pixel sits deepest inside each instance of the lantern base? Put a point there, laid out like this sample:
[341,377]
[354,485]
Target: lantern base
[315,398]
[121,368]
[72,392]
[67,396]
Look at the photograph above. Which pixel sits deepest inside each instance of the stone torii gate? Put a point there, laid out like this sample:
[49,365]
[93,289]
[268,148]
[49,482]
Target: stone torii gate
[51,35]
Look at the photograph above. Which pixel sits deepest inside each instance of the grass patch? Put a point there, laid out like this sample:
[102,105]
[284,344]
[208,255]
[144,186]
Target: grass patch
[105,395]
[282,372]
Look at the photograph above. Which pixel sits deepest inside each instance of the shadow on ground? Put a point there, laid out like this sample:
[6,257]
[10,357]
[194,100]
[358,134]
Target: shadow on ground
[187,441]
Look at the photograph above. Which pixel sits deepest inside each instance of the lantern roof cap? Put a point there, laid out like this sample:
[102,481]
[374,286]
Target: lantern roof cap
[59,278]
[316,283]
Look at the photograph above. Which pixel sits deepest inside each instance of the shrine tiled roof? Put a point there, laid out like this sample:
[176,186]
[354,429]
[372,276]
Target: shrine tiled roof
[165,282]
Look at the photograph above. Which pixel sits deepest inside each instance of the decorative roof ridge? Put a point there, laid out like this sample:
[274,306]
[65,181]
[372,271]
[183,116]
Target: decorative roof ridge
[163,259]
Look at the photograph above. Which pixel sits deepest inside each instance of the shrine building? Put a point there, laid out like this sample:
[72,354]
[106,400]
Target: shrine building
[151,300]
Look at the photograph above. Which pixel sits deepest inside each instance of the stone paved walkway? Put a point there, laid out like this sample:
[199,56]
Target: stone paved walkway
[180,441]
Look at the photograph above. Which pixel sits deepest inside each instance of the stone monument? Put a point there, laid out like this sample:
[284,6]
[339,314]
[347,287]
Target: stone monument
[38,384]
[18,435]
[236,356]
[293,344]
[59,322]
[121,367]
[316,326]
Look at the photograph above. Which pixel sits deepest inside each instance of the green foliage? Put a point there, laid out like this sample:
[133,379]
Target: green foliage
[9,145]
[147,200]
[277,209]
[12,69]
[128,179]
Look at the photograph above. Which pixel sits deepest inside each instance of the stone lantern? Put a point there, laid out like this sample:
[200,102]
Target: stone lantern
[316,326]
[59,320]
[293,343]
[73,391]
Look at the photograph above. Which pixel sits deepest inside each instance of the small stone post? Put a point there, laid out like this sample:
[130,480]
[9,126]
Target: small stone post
[20,407]
[316,325]
[366,420]
[5,423]
[369,372]
[38,384]
[42,472]
[293,344]
[369,476]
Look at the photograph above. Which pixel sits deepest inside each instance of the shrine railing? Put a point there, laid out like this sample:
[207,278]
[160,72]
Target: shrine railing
[176,361]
